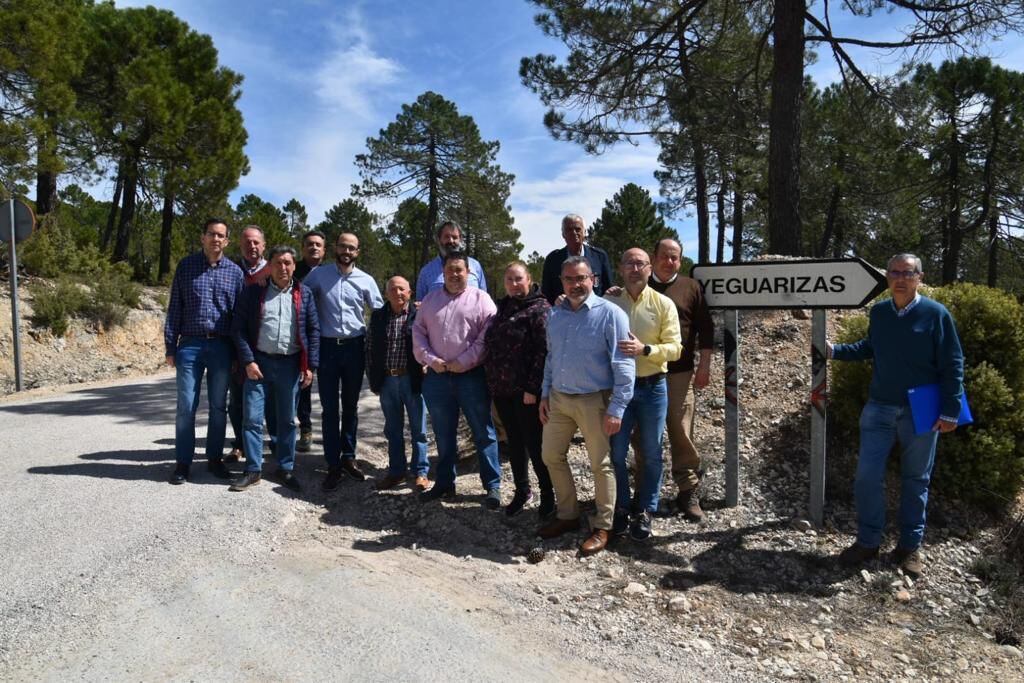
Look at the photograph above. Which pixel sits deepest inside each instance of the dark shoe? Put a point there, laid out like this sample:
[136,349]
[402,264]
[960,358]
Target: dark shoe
[437,493]
[332,479]
[247,480]
[640,529]
[421,484]
[349,467]
[909,561]
[304,443]
[688,505]
[234,456]
[218,469]
[288,480]
[390,482]
[519,500]
[547,507]
[620,523]
[595,543]
[857,554]
[492,501]
[558,527]
[180,475]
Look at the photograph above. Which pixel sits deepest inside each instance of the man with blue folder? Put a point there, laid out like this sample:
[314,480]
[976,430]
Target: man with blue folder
[912,341]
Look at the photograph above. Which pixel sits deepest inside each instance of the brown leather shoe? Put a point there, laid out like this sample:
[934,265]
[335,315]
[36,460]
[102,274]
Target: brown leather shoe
[422,484]
[235,455]
[688,504]
[557,527]
[390,482]
[909,561]
[595,543]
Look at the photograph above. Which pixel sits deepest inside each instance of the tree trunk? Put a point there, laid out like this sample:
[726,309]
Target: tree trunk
[124,226]
[166,223]
[115,204]
[692,128]
[46,177]
[830,221]
[428,227]
[952,237]
[784,226]
[737,222]
[720,207]
[46,192]
[993,247]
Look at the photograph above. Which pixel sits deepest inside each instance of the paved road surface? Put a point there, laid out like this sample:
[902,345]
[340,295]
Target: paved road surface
[108,572]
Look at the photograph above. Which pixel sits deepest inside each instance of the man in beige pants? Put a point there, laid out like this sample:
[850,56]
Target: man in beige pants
[588,381]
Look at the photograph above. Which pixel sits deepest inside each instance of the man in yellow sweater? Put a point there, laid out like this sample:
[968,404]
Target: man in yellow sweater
[653,341]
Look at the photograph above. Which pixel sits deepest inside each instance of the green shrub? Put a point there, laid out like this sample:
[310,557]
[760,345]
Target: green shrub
[112,295]
[982,463]
[53,307]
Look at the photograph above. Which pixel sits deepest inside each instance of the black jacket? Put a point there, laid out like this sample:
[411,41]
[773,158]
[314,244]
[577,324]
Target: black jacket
[551,282]
[377,349]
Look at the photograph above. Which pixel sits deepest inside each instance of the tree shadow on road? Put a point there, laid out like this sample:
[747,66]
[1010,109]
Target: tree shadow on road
[134,465]
[152,403]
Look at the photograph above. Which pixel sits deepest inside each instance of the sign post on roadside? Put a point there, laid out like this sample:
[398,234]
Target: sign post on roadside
[817,284]
[16,224]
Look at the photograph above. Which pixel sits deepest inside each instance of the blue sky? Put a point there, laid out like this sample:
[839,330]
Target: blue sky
[323,75]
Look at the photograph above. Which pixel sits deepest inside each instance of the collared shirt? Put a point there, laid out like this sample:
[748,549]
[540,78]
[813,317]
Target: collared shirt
[583,352]
[341,300]
[452,327]
[202,299]
[431,277]
[260,272]
[395,357]
[654,321]
[900,312]
[279,326]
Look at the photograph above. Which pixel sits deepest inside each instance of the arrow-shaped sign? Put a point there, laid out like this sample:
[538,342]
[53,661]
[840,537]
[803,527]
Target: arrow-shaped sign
[822,283]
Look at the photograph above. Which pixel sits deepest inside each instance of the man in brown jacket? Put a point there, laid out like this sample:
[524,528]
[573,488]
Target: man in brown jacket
[697,332]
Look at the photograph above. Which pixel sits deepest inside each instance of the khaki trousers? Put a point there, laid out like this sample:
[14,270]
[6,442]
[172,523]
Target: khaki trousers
[566,412]
[685,461]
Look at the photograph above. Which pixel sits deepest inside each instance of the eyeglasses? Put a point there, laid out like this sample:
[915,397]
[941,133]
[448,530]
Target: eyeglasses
[216,236]
[903,274]
[637,265]
[576,279]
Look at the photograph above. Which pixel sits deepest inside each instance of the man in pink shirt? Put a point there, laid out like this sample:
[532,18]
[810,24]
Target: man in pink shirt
[448,337]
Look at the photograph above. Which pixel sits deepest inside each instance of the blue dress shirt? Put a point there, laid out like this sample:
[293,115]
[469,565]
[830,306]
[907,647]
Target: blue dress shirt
[342,300]
[432,277]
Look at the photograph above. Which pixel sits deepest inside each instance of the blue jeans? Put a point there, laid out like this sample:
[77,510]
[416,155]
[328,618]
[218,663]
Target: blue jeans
[276,391]
[235,412]
[341,369]
[398,400]
[447,392]
[880,427]
[196,355]
[646,411]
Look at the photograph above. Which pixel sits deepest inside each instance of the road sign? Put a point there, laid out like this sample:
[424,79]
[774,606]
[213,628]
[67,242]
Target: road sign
[24,221]
[818,283]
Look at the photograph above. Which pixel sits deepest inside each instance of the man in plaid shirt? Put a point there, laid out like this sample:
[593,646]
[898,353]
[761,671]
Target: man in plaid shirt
[197,338]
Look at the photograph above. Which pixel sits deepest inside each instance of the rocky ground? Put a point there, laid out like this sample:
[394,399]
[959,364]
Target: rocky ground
[753,588]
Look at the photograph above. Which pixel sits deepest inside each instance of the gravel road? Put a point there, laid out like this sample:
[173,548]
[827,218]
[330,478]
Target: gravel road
[110,573]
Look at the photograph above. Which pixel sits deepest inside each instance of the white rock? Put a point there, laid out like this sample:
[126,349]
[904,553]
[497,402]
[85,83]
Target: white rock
[866,575]
[818,643]
[902,657]
[679,604]
[634,588]
[1013,651]
[902,595]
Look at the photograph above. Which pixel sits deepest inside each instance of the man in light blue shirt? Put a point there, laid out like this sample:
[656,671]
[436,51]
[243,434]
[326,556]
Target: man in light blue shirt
[431,277]
[588,382]
[343,293]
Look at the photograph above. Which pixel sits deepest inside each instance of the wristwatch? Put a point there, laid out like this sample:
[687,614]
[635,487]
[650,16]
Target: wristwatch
[647,349]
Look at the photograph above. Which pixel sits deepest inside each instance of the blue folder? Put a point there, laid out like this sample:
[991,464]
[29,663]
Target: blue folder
[924,407]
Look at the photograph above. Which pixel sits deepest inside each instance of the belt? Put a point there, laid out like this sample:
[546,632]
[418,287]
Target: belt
[650,380]
[396,372]
[209,335]
[276,355]
[342,340]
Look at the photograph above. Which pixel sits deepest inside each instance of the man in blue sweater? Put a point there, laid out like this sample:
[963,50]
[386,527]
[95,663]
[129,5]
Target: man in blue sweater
[912,341]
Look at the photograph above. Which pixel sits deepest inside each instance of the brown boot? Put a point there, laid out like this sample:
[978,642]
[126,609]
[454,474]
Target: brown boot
[558,527]
[688,503]
[909,561]
[595,543]
[857,555]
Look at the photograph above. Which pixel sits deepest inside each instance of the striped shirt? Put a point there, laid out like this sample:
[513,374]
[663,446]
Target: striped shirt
[202,299]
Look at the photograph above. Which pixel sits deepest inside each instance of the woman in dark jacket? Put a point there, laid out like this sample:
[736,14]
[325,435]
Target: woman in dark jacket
[516,345]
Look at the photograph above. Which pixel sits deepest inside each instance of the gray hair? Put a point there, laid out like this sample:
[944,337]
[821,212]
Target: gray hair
[918,268]
[257,229]
[281,249]
[573,218]
[575,261]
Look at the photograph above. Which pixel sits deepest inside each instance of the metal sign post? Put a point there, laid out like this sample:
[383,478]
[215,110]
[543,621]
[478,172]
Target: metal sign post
[16,224]
[817,284]
[732,408]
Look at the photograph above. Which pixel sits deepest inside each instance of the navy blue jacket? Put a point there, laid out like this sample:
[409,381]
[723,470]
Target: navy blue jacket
[551,281]
[245,328]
